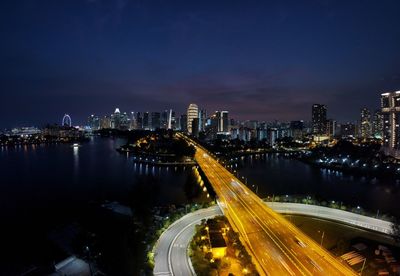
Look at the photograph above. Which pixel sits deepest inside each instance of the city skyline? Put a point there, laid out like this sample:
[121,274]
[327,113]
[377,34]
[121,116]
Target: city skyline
[83,121]
[262,61]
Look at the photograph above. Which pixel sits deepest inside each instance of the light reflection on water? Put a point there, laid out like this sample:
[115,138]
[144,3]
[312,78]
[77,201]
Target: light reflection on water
[96,168]
[275,174]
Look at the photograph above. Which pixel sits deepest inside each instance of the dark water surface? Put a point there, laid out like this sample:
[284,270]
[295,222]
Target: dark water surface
[275,174]
[44,187]
[60,176]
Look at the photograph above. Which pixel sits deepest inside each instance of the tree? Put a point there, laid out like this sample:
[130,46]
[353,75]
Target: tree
[396,230]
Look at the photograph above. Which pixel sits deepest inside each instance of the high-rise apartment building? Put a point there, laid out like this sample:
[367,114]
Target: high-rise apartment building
[318,119]
[331,128]
[377,124]
[390,104]
[223,122]
[192,112]
[365,123]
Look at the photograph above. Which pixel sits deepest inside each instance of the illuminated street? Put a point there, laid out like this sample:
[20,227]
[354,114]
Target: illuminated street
[171,249]
[277,246]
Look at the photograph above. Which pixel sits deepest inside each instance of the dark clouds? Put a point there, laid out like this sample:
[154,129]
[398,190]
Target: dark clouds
[256,59]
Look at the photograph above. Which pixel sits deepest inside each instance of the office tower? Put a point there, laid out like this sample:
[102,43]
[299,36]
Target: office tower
[390,104]
[192,112]
[125,121]
[133,121]
[164,119]
[116,119]
[211,127]
[202,119]
[169,119]
[146,121]
[365,123]
[93,122]
[139,120]
[296,129]
[105,122]
[173,120]
[223,122]
[155,120]
[183,123]
[318,119]
[377,124]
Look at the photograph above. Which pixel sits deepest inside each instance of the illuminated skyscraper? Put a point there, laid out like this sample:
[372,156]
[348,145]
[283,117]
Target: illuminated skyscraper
[222,117]
[105,122]
[390,104]
[202,119]
[164,119]
[377,124]
[139,120]
[331,128]
[146,121]
[116,119]
[365,123]
[169,120]
[319,119]
[125,121]
[94,122]
[192,112]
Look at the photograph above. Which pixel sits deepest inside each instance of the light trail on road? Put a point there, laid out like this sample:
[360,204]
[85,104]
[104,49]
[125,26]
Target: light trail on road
[277,246]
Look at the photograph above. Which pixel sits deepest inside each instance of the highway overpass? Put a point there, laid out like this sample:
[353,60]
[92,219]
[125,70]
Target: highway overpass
[277,246]
[171,251]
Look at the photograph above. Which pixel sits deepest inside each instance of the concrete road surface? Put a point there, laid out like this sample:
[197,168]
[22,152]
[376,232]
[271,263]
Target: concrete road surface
[171,250]
[170,254]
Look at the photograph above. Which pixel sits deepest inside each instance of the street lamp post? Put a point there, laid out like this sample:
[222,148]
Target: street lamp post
[322,236]
[362,268]
[256,186]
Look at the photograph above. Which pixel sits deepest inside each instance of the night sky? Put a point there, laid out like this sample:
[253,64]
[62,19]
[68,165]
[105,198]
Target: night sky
[259,60]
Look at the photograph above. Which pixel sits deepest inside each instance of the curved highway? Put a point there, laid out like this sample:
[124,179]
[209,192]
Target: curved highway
[171,256]
[170,253]
[341,216]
